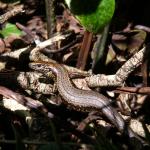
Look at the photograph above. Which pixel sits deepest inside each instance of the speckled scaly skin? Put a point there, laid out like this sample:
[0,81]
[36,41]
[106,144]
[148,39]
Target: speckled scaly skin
[82,100]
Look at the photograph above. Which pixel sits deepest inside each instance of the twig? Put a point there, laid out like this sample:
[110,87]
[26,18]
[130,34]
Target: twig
[26,101]
[50,41]
[33,57]
[27,31]
[60,49]
[84,51]
[50,17]
[120,76]
[137,90]
[87,120]
[11,13]
[36,55]
[141,27]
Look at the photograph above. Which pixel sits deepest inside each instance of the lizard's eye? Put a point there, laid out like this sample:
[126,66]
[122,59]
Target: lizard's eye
[38,65]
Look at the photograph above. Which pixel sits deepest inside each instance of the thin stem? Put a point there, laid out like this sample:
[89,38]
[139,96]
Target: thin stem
[100,48]
[84,51]
[50,17]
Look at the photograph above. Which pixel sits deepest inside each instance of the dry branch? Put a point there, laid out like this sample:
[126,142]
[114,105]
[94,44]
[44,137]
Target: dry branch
[121,75]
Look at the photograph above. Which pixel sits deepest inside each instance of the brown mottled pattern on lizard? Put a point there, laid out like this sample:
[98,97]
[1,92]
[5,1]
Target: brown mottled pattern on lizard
[81,99]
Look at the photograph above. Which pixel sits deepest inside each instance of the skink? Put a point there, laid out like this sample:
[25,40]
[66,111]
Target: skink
[82,100]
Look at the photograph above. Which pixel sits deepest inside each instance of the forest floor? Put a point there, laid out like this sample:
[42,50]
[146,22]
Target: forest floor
[34,113]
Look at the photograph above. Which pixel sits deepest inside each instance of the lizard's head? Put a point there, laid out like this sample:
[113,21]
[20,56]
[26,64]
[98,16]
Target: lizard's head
[44,67]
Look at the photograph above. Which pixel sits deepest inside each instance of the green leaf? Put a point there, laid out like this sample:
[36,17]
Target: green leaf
[10,29]
[92,14]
